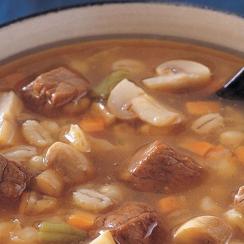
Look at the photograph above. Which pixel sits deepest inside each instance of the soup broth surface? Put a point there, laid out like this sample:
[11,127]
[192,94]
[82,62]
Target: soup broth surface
[79,150]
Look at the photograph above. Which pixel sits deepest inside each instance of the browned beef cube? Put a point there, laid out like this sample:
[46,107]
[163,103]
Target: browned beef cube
[14,179]
[239,200]
[50,91]
[159,168]
[132,223]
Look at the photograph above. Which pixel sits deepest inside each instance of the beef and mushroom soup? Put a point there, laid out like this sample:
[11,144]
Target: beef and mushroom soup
[121,141]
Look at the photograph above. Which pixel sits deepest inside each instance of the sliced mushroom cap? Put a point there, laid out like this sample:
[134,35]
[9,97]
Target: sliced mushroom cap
[203,229]
[176,75]
[154,113]
[72,165]
[119,101]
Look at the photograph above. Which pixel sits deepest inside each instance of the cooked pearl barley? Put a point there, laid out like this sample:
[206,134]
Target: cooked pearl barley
[77,138]
[203,229]
[10,108]
[239,200]
[236,219]
[224,167]
[32,203]
[236,242]
[19,153]
[98,108]
[26,235]
[8,129]
[36,134]
[112,191]
[10,105]
[100,144]
[209,206]
[78,169]
[91,200]
[208,123]
[37,164]
[52,127]
[232,138]
[49,183]
[7,227]
[175,75]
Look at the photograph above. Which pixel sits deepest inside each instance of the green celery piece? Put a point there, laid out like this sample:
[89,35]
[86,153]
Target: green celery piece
[105,86]
[53,237]
[60,228]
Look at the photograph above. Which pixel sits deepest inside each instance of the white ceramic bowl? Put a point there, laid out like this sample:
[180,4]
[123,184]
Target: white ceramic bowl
[123,19]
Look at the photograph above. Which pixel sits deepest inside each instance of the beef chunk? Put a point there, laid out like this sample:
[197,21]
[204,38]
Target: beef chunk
[132,223]
[14,179]
[51,91]
[239,200]
[158,167]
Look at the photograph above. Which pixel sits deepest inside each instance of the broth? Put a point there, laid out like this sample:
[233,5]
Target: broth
[109,142]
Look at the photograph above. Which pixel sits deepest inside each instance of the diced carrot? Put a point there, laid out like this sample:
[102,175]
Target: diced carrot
[202,107]
[239,152]
[90,124]
[169,204]
[198,147]
[81,220]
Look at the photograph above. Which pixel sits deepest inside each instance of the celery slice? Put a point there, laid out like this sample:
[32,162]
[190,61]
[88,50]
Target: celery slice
[105,86]
[52,237]
[59,232]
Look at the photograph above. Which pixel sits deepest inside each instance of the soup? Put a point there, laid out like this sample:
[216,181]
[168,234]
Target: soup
[121,141]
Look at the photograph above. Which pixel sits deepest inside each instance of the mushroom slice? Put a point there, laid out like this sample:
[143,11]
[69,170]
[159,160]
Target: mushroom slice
[203,229]
[119,101]
[154,113]
[179,74]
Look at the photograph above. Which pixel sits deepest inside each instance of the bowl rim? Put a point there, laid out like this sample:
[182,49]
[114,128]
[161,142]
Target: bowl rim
[94,36]
[71,41]
[108,2]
